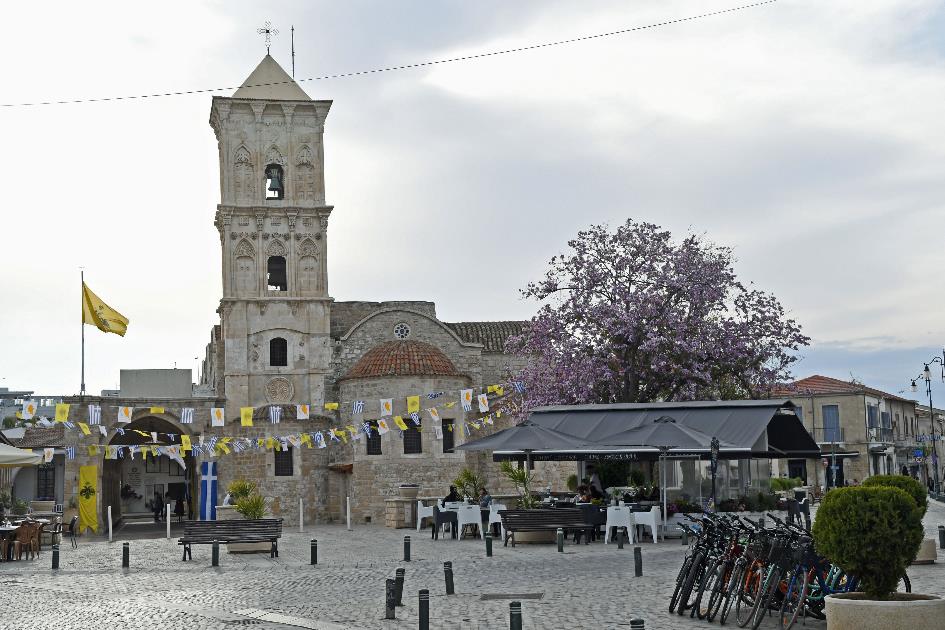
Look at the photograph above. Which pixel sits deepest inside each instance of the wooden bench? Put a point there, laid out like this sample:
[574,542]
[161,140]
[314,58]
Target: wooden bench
[545,520]
[238,531]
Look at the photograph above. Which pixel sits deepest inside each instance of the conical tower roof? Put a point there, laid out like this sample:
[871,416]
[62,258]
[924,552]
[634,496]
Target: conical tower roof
[270,82]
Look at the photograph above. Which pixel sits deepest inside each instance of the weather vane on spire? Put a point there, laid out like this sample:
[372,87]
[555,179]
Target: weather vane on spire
[269,32]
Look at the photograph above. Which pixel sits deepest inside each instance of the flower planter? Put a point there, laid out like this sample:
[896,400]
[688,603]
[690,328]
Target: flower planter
[408,492]
[229,513]
[906,611]
[927,552]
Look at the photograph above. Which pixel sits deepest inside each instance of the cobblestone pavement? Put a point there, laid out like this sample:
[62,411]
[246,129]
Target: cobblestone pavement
[588,586]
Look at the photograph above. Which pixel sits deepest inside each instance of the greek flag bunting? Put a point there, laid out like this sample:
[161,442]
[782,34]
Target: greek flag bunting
[196,450]
[366,428]
[103,430]
[519,386]
[187,415]
[416,418]
[319,439]
[358,407]
[275,414]
[69,425]
[95,414]
[70,452]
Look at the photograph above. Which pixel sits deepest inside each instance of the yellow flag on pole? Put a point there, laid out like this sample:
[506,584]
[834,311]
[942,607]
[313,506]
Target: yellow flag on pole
[62,412]
[246,416]
[101,315]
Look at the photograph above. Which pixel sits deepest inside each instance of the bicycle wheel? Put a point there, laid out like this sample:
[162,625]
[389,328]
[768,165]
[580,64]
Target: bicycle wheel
[705,588]
[732,591]
[717,592]
[692,579]
[683,571]
[748,591]
[904,584]
[763,601]
[795,599]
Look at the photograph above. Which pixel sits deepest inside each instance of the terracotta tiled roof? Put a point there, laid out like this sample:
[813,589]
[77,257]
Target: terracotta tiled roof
[818,384]
[42,437]
[492,335]
[402,358]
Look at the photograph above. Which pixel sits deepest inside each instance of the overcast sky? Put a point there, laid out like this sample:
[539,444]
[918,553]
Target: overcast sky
[807,135]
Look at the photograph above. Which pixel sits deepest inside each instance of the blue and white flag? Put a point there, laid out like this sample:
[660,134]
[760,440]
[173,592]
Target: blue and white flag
[319,440]
[519,386]
[358,407]
[366,428]
[70,452]
[95,414]
[208,491]
[122,432]
[69,425]
[196,450]
[416,418]
[187,415]
[275,414]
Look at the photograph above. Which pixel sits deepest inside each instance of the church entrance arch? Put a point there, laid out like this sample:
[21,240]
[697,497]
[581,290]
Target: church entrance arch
[129,484]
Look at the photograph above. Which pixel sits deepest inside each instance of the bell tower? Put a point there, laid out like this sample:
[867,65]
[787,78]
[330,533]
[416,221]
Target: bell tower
[273,224]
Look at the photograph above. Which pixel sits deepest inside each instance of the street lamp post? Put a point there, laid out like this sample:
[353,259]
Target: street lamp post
[713,465]
[927,376]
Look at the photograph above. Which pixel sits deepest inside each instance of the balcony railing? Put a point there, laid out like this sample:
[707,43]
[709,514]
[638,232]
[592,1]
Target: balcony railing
[828,435]
[880,434]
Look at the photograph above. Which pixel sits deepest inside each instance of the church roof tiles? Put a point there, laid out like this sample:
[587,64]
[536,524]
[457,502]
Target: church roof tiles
[42,437]
[402,358]
[492,335]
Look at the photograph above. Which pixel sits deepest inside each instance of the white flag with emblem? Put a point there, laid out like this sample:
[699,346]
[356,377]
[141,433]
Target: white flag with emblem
[216,417]
[483,402]
[29,408]
[465,396]
[124,414]
[387,406]
[301,412]
[382,426]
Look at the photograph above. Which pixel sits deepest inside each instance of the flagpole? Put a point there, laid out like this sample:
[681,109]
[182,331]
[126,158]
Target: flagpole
[82,324]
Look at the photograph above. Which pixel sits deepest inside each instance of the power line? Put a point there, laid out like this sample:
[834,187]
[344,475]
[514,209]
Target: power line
[409,66]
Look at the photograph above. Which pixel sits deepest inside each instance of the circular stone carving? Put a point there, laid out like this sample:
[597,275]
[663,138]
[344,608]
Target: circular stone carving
[279,390]
[401,330]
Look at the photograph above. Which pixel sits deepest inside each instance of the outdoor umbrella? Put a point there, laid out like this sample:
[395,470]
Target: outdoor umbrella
[525,436]
[11,456]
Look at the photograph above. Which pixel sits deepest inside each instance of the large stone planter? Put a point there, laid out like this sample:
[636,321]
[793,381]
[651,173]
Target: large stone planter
[927,552]
[229,513]
[908,611]
[408,492]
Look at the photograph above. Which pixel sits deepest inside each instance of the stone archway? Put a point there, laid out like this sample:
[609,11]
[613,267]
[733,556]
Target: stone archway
[129,485]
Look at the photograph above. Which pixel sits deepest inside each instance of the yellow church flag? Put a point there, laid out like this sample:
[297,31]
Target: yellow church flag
[184,442]
[270,442]
[101,315]
[85,429]
[331,406]
[307,440]
[413,404]
[93,450]
[62,412]
[88,489]
[157,409]
[246,416]
[400,423]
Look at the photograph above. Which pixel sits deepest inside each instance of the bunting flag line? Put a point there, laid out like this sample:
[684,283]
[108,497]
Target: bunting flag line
[246,416]
[85,428]
[48,455]
[29,408]
[466,398]
[124,414]
[320,440]
[275,414]
[357,408]
[186,415]
[387,406]
[70,452]
[413,404]
[434,414]
[483,402]
[382,426]
[62,412]
[216,417]
[301,412]
[437,432]
[157,410]
[331,406]
[400,423]
[95,414]
[434,395]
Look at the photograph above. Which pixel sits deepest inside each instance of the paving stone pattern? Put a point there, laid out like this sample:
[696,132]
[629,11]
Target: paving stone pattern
[588,586]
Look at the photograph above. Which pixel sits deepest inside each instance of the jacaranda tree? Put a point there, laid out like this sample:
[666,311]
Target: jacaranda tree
[632,316]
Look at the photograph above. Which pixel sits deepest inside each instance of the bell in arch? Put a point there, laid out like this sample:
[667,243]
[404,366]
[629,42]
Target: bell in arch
[275,178]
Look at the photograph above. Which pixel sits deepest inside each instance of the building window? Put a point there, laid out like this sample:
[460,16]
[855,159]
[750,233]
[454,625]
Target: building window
[799,412]
[374,441]
[872,416]
[278,352]
[46,482]
[402,330]
[275,182]
[831,419]
[448,441]
[283,461]
[413,443]
[276,279]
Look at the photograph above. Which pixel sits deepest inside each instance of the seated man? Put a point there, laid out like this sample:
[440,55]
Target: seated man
[485,499]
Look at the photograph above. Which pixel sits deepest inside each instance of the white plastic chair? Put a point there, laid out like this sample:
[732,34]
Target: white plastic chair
[494,516]
[469,515]
[618,516]
[422,513]
[649,519]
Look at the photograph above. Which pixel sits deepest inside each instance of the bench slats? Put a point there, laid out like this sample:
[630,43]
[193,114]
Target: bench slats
[248,531]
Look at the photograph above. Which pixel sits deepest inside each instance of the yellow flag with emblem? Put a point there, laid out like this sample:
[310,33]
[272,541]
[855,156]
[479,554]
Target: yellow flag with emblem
[413,404]
[246,416]
[400,423]
[62,412]
[99,314]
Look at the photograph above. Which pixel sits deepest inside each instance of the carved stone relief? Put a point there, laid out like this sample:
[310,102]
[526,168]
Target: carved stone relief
[274,156]
[244,176]
[279,390]
[276,248]
[245,248]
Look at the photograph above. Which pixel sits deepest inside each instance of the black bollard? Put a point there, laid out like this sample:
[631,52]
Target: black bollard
[55,556]
[637,562]
[424,615]
[399,581]
[215,554]
[941,536]
[124,555]
[621,534]
[390,594]
[314,554]
[489,545]
[515,616]
[406,548]
[636,624]
[448,571]
[560,538]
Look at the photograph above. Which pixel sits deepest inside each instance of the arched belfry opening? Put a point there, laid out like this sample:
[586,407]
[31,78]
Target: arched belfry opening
[130,483]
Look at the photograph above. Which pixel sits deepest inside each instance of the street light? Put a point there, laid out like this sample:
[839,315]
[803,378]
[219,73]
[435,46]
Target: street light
[713,464]
[926,375]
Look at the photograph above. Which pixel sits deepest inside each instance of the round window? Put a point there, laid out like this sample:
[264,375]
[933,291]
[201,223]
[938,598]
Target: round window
[401,331]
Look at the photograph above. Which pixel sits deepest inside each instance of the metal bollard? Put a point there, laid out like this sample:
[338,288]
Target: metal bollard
[621,534]
[424,616]
[314,554]
[637,562]
[399,582]
[941,536]
[215,554]
[124,555]
[515,616]
[55,556]
[390,593]
[560,540]
[636,624]
[489,545]
[406,548]
[448,573]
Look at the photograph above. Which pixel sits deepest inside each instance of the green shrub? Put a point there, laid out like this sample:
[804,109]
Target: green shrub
[572,483]
[636,478]
[469,483]
[783,483]
[872,532]
[912,487]
[523,481]
[252,507]
[240,489]
[20,506]
[5,502]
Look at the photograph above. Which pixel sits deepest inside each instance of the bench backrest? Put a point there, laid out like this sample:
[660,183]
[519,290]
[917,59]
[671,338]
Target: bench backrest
[529,518]
[246,527]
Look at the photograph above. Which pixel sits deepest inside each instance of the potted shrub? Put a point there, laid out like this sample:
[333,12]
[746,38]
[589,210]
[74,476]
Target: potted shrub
[927,552]
[522,480]
[246,503]
[408,490]
[872,532]
[469,484]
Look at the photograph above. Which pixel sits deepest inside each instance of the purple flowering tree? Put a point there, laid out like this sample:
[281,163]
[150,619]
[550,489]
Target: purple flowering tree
[632,316]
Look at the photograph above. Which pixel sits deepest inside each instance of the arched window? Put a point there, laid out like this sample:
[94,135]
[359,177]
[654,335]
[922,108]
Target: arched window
[278,352]
[276,278]
[275,182]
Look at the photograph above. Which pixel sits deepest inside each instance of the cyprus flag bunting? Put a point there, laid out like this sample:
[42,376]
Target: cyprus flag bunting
[387,406]
[216,417]
[382,426]
[29,408]
[124,414]
[301,412]
[465,395]
[483,402]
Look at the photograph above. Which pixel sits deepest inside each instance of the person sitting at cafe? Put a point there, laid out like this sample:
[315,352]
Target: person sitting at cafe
[584,494]
[485,499]
[452,497]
